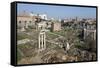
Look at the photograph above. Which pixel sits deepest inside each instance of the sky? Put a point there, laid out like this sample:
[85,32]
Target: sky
[58,12]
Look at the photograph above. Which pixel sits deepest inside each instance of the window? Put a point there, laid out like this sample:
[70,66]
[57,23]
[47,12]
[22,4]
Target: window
[19,21]
[29,21]
[25,21]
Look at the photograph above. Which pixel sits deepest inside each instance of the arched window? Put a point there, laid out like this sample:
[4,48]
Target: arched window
[19,21]
[25,21]
[30,21]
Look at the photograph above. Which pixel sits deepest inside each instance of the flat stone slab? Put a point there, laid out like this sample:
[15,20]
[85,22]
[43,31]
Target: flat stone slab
[23,41]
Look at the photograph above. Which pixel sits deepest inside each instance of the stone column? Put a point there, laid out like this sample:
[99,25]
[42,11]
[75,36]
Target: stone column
[68,47]
[22,26]
[94,35]
[41,41]
[44,41]
[85,33]
[26,24]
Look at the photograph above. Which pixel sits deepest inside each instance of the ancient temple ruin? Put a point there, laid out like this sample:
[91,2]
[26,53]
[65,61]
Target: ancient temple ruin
[41,41]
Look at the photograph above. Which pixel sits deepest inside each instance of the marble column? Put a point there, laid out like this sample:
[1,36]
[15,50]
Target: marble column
[44,41]
[41,41]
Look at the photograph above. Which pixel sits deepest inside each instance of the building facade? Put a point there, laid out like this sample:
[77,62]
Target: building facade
[56,26]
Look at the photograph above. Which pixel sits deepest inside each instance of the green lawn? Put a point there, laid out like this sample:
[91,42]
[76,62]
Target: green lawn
[49,35]
[22,36]
[19,56]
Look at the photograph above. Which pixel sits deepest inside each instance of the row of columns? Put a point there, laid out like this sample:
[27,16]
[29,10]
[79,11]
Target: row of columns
[86,32]
[24,25]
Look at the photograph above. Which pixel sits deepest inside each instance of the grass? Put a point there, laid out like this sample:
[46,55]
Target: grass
[27,49]
[19,56]
[22,36]
[50,35]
